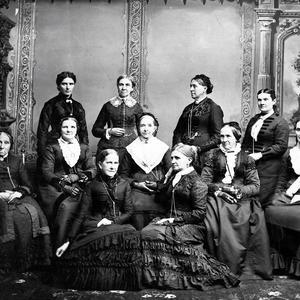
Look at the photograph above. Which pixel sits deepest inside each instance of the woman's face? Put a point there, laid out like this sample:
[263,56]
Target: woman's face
[265,102]
[228,140]
[297,130]
[180,161]
[197,89]
[124,87]
[4,144]
[147,127]
[110,165]
[66,86]
[68,130]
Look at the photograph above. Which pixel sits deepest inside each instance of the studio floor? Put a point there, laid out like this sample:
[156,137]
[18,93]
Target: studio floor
[36,285]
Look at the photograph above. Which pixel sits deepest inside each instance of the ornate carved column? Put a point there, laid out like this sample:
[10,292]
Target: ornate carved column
[266,18]
[135,47]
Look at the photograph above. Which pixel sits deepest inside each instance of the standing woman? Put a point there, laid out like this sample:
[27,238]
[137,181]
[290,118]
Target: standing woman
[65,164]
[116,122]
[24,232]
[103,251]
[146,159]
[266,140]
[173,246]
[201,121]
[55,109]
[235,222]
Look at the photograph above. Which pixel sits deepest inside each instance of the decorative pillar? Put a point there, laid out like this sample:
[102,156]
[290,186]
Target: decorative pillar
[266,18]
[135,47]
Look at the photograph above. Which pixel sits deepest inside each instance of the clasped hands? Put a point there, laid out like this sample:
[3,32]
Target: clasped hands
[149,186]
[10,195]
[116,131]
[230,194]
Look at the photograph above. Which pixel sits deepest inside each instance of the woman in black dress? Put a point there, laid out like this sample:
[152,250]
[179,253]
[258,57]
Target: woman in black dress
[200,121]
[103,251]
[235,222]
[173,246]
[116,122]
[146,159]
[24,232]
[266,140]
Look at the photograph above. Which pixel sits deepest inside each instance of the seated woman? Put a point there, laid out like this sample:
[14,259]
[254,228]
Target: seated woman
[283,215]
[66,163]
[235,222]
[146,159]
[173,246]
[24,232]
[106,253]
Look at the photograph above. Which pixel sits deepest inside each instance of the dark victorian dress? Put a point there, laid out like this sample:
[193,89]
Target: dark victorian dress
[117,113]
[272,142]
[24,232]
[200,125]
[236,233]
[283,217]
[145,161]
[109,256]
[54,167]
[53,111]
[173,253]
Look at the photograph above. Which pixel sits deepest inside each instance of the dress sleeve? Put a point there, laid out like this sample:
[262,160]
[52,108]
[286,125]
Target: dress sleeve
[127,208]
[125,168]
[48,166]
[98,129]
[43,127]
[83,132]
[251,181]
[281,137]
[89,167]
[178,131]
[166,161]
[198,197]
[247,140]
[284,175]
[216,123]
[24,178]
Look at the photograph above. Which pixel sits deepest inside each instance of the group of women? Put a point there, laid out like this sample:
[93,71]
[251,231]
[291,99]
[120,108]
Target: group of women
[142,214]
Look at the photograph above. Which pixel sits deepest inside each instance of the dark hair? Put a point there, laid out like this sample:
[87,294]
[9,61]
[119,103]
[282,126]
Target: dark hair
[65,74]
[294,121]
[236,129]
[267,91]
[129,77]
[155,122]
[7,131]
[105,153]
[69,118]
[205,81]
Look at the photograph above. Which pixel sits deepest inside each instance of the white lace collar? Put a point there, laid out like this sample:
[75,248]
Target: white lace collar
[181,173]
[230,162]
[147,155]
[295,159]
[117,101]
[70,151]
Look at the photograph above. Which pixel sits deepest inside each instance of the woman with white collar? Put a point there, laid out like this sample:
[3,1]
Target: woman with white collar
[283,213]
[235,222]
[266,140]
[116,122]
[146,159]
[66,166]
[173,246]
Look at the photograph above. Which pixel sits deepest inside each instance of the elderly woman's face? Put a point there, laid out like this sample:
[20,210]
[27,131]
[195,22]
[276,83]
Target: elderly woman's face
[180,161]
[124,87]
[147,127]
[228,140]
[4,144]
[68,130]
[297,130]
[66,86]
[110,165]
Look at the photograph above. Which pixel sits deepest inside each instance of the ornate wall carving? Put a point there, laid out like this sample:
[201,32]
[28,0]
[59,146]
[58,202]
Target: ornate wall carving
[135,47]
[23,101]
[248,44]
